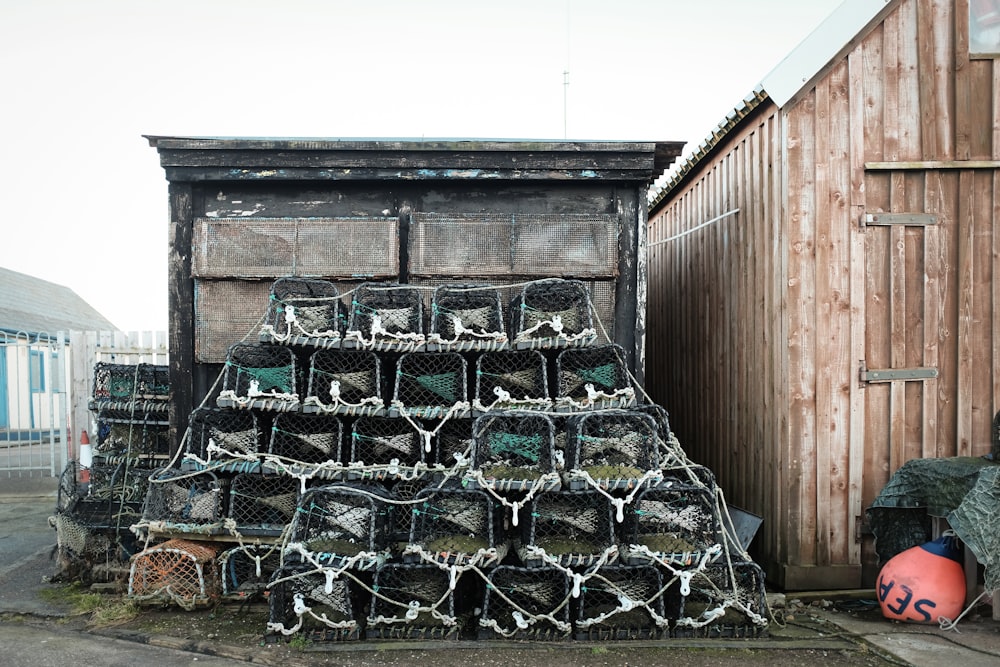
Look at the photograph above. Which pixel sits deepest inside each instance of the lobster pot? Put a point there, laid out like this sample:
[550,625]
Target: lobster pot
[738,591]
[399,311]
[623,602]
[262,504]
[344,381]
[526,603]
[84,534]
[453,443]
[674,521]
[340,521]
[377,441]
[601,369]
[306,438]
[552,312]
[412,602]
[308,604]
[124,483]
[429,384]
[614,447]
[404,494]
[122,383]
[215,434]
[247,569]
[257,375]
[574,528]
[460,312]
[669,449]
[512,450]
[453,525]
[124,433]
[505,377]
[177,571]
[179,498]
[303,308]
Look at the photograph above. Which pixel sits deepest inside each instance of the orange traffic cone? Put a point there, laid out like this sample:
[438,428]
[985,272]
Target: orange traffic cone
[86,458]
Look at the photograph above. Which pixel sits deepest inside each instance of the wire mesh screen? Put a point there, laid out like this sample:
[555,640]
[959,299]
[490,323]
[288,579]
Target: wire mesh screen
[177,571]
[528,244]
[379,440]
[467,313]
[246,570]
[256,370]
[622,602]
[262,504]
[551,308]
[181,498]
[216,434]
[312,605]
[454,524]
[672,521]
[573,527]
[513,446]
[380,311]
[590,375]
[614,445]
[526,603]
[511,378]
[225,312]
[432,381]
[345,381]
[342,520]
[306,438]
[725,602]
[412,601]
[304,307]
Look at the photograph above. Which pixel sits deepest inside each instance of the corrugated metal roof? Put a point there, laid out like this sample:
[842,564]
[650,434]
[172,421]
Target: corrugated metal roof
[794,73]
[32,305]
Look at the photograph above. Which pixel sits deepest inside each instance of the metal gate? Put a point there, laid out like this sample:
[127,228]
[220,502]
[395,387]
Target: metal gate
[33,405]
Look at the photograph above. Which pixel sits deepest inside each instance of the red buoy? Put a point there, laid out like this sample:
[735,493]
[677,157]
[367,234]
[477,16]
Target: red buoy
[923,583]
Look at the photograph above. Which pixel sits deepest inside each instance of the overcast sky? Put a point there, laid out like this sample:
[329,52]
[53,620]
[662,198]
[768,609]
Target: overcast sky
[84,198]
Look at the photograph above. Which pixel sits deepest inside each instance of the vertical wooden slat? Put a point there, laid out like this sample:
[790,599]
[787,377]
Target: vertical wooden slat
[965,279]
[963,115]
[930,445]
[981,407]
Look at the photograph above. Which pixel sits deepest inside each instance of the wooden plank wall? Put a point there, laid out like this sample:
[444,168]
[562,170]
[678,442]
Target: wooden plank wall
[770,313]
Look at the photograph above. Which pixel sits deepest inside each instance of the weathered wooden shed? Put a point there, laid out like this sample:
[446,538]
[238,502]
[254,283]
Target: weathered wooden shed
[823,300]
[244,212]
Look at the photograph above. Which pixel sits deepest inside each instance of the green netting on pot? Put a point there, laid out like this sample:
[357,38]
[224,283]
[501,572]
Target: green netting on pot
[412,601]
[377,441]
[303,307]
[511,379]
[568,528]
[469,314]
[216,434]
[179,498]
[337,522]
[313,605]
[430,380]
[526,603]
[246,569]
[674,522]
[552,308]
[590,375]
[383,311]
[513,446]
[459,526]
[260,371]
[118,383]
[262,504]
[623,602]
[616,448]
[306,438]
[343,379]
[724,602]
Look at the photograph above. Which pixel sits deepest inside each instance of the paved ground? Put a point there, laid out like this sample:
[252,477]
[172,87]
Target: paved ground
[38,628]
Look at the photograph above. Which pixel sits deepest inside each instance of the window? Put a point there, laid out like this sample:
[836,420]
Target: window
[984,28]
[36,371]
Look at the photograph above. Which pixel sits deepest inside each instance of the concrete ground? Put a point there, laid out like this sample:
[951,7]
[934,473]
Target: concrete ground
[38,628]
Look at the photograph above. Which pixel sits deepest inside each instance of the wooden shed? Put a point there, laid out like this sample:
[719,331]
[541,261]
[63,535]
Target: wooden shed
[823,302]
[244,212]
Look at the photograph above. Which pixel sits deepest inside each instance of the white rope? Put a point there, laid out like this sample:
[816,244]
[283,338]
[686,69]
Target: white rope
[696,228]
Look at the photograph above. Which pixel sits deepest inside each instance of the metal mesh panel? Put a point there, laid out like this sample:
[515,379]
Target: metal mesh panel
[431,380]
[538,597]
[269,248]
[225,312]
[725,602]
[412,601]
[519,374]
[518,243]
[262,504]
[178,571]
[234,431]
[614,445]
[300,307]
[513,446]
[453,524]
[622,602]
[306,438]
[305,602]
[574,527]
[345,381]
[342,520]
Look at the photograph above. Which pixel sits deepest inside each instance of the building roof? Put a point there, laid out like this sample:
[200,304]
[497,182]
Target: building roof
[796,72]
[35,306]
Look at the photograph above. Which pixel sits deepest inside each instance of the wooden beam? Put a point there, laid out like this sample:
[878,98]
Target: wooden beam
[932,165]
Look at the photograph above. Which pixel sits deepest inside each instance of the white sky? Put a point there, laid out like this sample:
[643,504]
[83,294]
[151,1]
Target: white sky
[84,199]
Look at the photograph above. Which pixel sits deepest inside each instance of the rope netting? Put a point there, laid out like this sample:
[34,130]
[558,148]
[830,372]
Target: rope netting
[179,571]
